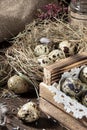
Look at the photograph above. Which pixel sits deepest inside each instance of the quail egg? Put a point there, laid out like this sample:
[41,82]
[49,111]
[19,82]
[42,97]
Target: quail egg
[29,112]
[18,85]
[71,87]
[43,60]
[41,50]
[83,74]
[67,48]
[84,98]
[56,54]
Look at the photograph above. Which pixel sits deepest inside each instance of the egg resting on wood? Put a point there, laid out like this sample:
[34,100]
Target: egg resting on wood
[29,112]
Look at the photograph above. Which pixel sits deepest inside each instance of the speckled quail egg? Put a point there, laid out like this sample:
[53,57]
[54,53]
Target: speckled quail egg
[84,98]
[41,50]
[29,112]
[56,54]
[71,87]
[18,85]
[43,60]
[67,48]
[44,40]
[83,74]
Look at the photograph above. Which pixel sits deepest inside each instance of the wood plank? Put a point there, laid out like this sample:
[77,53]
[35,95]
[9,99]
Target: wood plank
[52,72]
[48,96]
[68,61]
[59,115]
[68,67]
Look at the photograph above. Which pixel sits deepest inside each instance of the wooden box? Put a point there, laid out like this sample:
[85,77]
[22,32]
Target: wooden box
[52,74]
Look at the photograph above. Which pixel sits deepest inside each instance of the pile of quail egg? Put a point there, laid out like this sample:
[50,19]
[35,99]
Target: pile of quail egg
[74,84]
[47,55]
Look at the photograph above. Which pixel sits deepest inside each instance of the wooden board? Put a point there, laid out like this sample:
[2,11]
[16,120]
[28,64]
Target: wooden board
[48,105]
[52,72]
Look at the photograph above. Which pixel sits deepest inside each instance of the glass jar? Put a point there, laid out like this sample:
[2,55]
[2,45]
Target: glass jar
[78,12]
[79,6]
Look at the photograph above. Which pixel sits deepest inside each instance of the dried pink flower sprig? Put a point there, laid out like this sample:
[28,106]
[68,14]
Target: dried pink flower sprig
[52,10]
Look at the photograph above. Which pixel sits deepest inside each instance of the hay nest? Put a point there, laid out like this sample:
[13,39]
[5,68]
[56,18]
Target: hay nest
[21,55]
[5,70]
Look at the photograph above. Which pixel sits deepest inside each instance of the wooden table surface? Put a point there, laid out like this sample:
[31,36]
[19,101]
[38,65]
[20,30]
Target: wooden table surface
[14,102]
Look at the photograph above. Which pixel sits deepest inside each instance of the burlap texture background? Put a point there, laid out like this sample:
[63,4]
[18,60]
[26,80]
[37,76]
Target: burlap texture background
[15,14]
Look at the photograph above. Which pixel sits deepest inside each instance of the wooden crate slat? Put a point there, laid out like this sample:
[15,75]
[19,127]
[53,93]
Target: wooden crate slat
[47,96]
[68,67]
[66,120]
[57,73]
[51,72]
[68,61]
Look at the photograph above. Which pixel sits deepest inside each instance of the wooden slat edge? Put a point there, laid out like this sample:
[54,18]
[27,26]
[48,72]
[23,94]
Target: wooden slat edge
[68,67]
[67,61]
[48,96]
[47,77]
[59,115]
[60,67]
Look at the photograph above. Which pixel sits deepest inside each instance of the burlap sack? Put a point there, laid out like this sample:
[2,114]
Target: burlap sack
[15,14]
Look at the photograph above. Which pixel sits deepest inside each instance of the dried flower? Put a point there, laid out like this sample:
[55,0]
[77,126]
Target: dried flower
[52,10]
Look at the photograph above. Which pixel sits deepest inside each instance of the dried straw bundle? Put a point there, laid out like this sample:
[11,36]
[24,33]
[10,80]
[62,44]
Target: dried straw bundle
[21,55]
